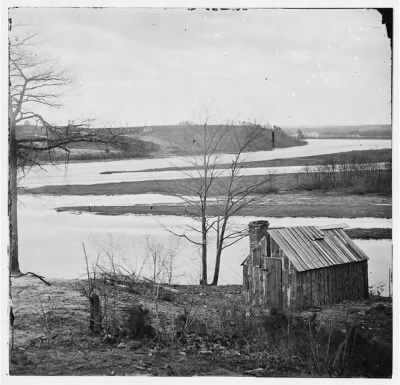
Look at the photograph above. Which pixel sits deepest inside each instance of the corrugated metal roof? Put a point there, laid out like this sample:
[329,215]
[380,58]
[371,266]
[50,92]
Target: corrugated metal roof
[309,247]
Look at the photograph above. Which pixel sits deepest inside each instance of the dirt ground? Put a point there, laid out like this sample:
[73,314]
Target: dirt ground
[51,335]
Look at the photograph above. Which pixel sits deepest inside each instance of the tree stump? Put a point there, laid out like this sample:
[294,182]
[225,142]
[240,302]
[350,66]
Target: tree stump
[95,323]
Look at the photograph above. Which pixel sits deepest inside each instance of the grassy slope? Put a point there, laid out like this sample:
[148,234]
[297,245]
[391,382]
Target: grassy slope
[185,139]
[51,335]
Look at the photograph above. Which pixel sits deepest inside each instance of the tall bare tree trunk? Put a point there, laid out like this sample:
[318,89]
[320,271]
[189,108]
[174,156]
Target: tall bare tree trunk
[203,280]
[12,198]
[217,266]
[220,245]
[33,82]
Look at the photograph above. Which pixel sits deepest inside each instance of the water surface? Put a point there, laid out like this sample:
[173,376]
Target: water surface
[51,242]
[91,172]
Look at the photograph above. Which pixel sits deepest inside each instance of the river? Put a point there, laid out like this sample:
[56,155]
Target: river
[93,172]
[51,242]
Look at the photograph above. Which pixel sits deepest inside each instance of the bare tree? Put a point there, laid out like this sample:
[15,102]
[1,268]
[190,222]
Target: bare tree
[236,194]
[35,83]
[203,171]
[220,191]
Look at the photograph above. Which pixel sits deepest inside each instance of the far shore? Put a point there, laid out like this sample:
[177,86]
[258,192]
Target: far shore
[273,183]
[365,156]
[382,155]
[267,185]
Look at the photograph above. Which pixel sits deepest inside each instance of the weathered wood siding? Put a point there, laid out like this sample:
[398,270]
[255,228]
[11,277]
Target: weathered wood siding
[299,290]
[330,285]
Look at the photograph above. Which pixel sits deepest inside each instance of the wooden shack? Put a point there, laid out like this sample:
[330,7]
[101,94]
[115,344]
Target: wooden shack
[294,268]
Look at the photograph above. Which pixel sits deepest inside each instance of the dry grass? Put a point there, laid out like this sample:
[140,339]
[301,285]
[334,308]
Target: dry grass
[202,331]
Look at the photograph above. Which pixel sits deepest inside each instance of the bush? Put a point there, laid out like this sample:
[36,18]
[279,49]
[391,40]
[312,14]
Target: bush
[138,323]
[352,174]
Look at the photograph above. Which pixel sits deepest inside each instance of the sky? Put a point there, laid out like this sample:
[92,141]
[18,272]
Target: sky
[287,67]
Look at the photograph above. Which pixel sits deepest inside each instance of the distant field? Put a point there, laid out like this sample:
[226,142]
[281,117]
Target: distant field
[369,156]
[365,131]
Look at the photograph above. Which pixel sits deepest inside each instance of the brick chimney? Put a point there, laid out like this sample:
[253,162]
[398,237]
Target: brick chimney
[257,230]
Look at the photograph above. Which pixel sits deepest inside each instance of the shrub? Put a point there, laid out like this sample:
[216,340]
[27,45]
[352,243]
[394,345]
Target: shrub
[350,174]
[138,323]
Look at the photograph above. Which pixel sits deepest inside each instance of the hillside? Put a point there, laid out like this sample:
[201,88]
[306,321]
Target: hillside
[159,141]
[188,139]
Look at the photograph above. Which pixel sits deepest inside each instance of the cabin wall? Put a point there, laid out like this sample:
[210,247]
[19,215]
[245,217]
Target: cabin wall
[254,278]
[255,275]
[288,275]
[330,285]
[301,290]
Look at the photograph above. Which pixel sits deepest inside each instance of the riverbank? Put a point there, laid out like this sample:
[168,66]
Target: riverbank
[266,184]
[193,330]
[357,180]
[292,204]
[350,157]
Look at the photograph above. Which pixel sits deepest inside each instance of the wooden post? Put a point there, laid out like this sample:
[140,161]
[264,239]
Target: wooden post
[95,323]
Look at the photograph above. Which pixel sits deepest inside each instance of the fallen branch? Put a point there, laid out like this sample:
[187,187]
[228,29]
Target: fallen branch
[126,282]
[33,274]
[166,288]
